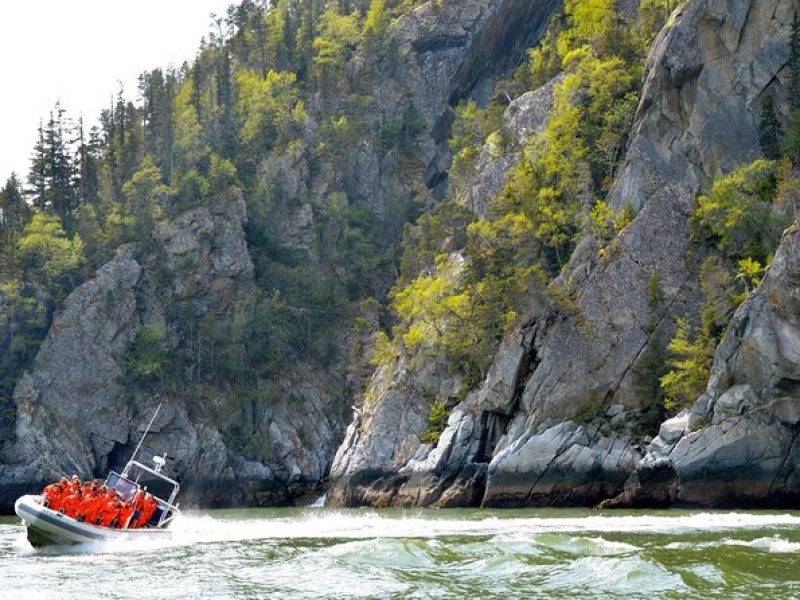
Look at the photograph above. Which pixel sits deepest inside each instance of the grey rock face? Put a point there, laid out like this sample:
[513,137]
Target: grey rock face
[699,110]
[571,467]
[745,449]
[452,46]
[526,116]
[434,56]
[381,460]
[697,119]
[76,414]
[86,420]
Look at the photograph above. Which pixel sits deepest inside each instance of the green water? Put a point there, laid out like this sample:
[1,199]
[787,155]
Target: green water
[319,553]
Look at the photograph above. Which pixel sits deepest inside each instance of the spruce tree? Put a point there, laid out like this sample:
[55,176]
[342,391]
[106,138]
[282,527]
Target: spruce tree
[60,173]
[37,178]
[52,178]
[14,211]
[87,161]
[791,145]
[769,130]
[227,133]
[794,64]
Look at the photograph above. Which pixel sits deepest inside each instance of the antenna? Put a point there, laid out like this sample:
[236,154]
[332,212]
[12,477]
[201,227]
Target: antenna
[144,435]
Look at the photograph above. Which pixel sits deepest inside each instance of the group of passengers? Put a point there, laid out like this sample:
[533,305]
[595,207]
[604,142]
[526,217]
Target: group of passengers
[94,503]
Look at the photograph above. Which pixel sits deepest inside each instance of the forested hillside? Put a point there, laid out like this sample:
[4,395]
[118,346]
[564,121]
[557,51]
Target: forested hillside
[331,119]
[184,136]
[512,234]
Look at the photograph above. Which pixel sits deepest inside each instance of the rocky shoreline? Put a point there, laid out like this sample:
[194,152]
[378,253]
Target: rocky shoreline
[521,439]
[553,423]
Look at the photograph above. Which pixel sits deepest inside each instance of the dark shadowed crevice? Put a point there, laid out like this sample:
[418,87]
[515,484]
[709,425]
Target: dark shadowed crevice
[495,424]
[496,51]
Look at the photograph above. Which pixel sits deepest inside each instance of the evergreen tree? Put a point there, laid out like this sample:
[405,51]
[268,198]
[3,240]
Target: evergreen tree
[158,89]
[87,159]
[37,179]
[794,64]
[14,211]
[61,167]
[376,20]
[769,130]
[791,146]
[227,128]
[53,175]
[307,31]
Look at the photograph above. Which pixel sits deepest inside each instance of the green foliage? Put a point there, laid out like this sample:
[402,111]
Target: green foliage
[235,115]
[750,272]
[590,22]
[591,410]
[691,357]
[442,230]
[267,109]
[377,20]
[338,39]
[741,219]
[189,146]
[23,325]
[769,130]
[383,350]
[653,15]
[535,222]
[655,293]
[601,221]
[190,190]
[225,118]
[787,199]
[48,257]
[717,285]
[147,359]
[437,422]
[544,60]
[472,125]
[647,375]
[794,63]
[221,174]
[625,216]
[426,304]
[145,198]
[738,217]
[791,142]
[14,211]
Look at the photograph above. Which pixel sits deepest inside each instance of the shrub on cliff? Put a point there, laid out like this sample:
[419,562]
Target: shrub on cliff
[692,354]
[738,216]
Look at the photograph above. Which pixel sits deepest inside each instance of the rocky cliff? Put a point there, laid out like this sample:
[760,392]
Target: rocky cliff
[83,405]
[738,444]
[558,419]
[77,409]
[554,421]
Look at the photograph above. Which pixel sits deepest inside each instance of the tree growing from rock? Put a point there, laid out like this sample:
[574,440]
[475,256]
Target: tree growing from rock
[769,130]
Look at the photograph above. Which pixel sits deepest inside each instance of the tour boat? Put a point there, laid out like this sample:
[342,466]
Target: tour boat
[47,527]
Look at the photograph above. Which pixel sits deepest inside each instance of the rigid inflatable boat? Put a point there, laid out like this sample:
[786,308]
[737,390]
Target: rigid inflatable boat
[47,527]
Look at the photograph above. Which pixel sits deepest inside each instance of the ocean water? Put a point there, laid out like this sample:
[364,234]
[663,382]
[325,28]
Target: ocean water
[322,553]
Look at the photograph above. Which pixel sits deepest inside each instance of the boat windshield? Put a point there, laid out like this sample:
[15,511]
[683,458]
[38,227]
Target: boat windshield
[125,488]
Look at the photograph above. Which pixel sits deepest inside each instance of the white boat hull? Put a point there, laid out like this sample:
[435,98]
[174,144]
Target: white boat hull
[50,528]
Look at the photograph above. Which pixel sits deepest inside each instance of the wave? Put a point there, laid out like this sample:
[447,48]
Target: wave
[774,544]
[201,528]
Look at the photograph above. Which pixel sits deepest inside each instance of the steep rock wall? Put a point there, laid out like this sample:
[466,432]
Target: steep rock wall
[738,445]
[523,432]
[76,412]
